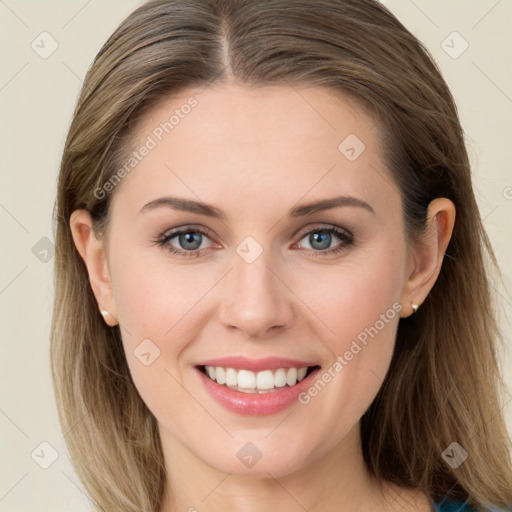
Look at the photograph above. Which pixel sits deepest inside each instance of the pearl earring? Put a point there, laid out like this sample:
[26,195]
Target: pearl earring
[105,314]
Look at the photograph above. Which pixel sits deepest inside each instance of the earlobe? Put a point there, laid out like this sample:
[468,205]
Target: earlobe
[427,255]
[92,252]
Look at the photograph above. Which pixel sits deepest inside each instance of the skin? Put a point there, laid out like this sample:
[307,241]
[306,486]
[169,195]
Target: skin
[256,153]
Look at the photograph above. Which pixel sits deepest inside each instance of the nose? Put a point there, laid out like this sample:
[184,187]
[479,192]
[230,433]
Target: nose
[257,301]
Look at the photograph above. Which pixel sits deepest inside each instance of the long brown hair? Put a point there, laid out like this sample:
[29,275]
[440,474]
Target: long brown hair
[443,383]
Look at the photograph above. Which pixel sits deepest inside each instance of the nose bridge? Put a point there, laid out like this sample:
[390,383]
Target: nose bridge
[257,299]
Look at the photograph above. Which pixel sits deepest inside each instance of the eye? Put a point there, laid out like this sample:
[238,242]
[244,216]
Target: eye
[189,240]
[320,240]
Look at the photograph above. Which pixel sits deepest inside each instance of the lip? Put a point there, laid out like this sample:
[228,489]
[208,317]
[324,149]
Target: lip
[255,404]
[256,365]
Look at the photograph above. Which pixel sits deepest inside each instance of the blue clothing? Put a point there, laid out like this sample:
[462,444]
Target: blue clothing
[452,506]
[458,506]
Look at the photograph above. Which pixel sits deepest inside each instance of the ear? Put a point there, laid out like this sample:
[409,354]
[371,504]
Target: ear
[93,253]
[426,256]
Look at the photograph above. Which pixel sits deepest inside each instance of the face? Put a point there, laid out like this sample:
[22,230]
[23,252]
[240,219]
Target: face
[258,284]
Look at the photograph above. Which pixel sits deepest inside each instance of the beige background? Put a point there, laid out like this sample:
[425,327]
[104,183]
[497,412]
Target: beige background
[37,97]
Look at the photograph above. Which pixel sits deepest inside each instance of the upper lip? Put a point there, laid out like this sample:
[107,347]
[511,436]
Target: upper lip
[256,365]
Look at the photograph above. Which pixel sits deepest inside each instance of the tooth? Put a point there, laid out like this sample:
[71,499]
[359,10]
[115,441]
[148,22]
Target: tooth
[246,390]
[291,376]
[220,375]
[280,378]
[265,380]
[231,377]
[246,379]
[211,372]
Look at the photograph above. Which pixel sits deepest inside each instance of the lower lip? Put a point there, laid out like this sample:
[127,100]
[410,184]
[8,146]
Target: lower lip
[256,404]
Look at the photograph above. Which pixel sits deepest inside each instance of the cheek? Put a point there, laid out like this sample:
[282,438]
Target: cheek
[154,303]
[359,294]
[159,305]
[360,303]
[156,299]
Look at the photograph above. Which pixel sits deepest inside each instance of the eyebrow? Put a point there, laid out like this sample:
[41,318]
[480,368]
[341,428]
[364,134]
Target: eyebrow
[208,210]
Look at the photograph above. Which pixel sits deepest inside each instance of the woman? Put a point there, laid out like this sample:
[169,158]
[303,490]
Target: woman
[271,288]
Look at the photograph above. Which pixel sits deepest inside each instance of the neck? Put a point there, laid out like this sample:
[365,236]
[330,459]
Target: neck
[337,481]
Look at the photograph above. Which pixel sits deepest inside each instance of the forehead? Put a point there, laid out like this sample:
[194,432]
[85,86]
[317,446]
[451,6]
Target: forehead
[254,116]
[276,143]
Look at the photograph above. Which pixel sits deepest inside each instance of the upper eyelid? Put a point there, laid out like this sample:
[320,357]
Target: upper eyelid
[320,227]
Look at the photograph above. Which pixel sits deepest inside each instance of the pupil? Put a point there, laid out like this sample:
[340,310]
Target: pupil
[190,238]
[318,237]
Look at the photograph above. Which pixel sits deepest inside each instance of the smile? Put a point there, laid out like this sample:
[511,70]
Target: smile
[247,381]
[255,387]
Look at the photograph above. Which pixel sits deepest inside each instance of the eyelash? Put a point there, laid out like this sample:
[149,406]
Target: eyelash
[346,238]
